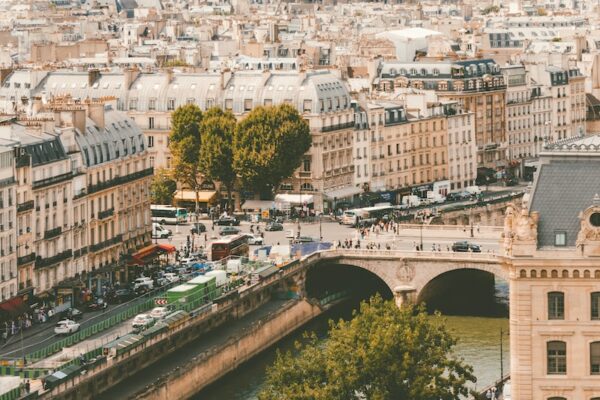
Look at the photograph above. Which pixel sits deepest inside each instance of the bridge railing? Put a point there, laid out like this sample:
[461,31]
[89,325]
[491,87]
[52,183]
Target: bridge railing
[410,254]
[451,228]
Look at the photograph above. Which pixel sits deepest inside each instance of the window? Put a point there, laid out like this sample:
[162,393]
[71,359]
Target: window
[133,104]
[595,358]
[560,238]
[150,122]
[170,104]
[152,104]
[150,141]
[229,104]
[556,305]
[595,305]
[306,165]
[247,104]
[557,357]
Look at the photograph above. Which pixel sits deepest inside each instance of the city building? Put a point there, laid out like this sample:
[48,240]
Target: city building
[551,249]
[8,215]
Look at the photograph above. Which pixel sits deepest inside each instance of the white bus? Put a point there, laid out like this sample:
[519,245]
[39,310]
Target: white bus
[352,217]
[168,214]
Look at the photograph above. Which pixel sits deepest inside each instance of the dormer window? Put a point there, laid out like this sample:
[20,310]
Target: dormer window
[560,238]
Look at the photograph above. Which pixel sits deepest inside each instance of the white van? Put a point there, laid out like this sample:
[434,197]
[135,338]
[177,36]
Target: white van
[143,281]
[474,190]
[158,231]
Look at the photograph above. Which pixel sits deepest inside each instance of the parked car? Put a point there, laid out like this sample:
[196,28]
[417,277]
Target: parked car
[254,239]
[97,304]
[304,239]
[122,295]
[229,230]
[142,321]
[70,313]
[227,221]
[465,246]
[66,327]
[198,228]
[161,281]
[143,281]
[274,226]
[159,312]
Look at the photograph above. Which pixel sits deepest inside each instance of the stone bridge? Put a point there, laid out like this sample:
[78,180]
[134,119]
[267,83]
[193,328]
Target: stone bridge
[406,273]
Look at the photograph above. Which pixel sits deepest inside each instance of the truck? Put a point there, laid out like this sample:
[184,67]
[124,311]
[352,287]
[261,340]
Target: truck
[220,277]
[411,200]
[207,286]
[183,293]
[435,197]
[159,232]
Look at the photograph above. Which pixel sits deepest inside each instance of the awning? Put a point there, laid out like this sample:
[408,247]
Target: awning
[258,205]
[343,192]
[13,306]
[167,248]
[294,198]
[190,195]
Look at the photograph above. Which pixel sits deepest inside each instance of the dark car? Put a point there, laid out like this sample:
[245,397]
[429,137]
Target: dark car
[227,221]
[198,228]
[97,305]
[274,226]
[465,246]
[229,230]
[71,313]
[122,295]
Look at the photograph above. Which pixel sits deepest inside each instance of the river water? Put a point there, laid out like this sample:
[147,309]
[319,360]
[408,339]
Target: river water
[478,343]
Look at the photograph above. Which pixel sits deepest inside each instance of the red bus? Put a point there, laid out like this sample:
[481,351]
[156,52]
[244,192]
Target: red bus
[229,246]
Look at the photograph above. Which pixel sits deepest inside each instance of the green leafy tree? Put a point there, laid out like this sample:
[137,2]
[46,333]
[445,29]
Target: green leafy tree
[383,353]
[162,188]
[184,143]
[216,153]
[268,146]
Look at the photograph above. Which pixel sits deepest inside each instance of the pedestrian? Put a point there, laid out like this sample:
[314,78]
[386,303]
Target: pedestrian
[488,394]
[27,386]
[477,228]
[433,247]
[439,248]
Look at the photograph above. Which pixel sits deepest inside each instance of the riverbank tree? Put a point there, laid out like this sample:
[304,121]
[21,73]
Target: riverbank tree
[382,353]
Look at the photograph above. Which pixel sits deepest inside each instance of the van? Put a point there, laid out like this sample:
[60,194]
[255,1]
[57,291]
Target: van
[474,190]
[159,232]
[411,200]
[143,281]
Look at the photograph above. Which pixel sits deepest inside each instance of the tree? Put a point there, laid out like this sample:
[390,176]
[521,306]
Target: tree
[268,145]
[216,153]
[184,143]
[162,188]
[383,353]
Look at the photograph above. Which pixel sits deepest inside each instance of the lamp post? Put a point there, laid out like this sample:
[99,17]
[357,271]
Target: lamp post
[471,221]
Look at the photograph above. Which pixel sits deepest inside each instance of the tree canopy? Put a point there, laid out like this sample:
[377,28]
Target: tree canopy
[162,188]
[184,143]
[216,152]
[268,145]
[383,353]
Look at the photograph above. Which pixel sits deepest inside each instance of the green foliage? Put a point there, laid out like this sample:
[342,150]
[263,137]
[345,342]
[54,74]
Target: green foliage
[383,353]
[490,9]
[216,153]
[162,188]
[268,146]
[176,63]
[184,143]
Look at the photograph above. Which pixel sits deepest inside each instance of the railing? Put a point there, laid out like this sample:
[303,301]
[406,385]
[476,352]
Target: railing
[25,206]
[80,252]
[7,181]
[408,254]
[337,127]
[44,262]
[25,259]
[119,180]
[106,243]
[51,233]
[106,213]
[52,180]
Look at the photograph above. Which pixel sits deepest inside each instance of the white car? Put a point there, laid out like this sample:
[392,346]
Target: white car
[171,277]
[142,321]
[66,327]
[143,281]
[254,239]
[159,312]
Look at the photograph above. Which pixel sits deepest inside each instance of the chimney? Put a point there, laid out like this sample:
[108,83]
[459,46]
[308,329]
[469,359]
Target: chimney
[130,75]
[78,119]
[36,105]
[93,75]
[95,111]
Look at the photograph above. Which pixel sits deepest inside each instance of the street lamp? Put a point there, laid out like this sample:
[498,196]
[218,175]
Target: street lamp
[471,220]
[421,220]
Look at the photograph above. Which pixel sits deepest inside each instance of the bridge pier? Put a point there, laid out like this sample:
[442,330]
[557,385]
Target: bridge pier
[404,295]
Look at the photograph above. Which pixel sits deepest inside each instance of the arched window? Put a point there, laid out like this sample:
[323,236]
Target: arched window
[556,357]
[565,273]
[423,71]
[595,305]
[523,274]
[556,305]
[544,274]
[413,71]
[595,358]
[533,273]
[307,187]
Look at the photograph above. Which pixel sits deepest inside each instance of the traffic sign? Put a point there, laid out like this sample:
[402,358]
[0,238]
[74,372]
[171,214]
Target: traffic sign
[160,302]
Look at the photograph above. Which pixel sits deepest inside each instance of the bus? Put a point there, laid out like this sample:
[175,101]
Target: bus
[235,245]
[378,211]
[168,214]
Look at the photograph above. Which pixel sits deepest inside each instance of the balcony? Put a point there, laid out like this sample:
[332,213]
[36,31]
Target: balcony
[52,233]
[106,213]
[119,180]
[25,206]
[305,174]
[81,252]
[25,259]
[107,243]
[47,261]
[52,180]
[24,286]
[337,127]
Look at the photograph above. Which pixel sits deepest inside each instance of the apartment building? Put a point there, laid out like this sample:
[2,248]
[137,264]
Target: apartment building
[551,248]
[8,212]
[462,150]
[477,85]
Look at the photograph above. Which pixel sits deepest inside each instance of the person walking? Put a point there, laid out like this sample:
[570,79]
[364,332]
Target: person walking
[488,394]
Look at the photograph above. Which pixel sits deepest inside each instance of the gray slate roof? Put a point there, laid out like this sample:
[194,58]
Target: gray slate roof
[564,188]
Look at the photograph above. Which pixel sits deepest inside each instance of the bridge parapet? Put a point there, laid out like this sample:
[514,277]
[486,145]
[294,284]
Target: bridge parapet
[468,256]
